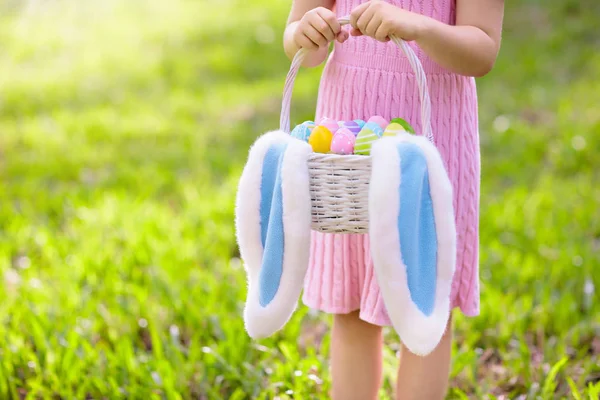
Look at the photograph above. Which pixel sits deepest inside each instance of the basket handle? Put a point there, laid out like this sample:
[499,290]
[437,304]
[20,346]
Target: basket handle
[284,120]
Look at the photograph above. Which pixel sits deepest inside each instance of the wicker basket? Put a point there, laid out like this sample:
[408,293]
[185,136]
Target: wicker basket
[339,185]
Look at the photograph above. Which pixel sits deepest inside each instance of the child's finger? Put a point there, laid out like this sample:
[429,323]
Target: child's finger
[331,20]
[382,33]
[316,36]
[355,32]
[357,13]
[373,25]
[342,36]
[304,42]
[364,19]
[322,27]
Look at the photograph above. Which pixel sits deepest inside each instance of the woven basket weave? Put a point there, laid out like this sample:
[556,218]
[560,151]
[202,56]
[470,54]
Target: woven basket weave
[339,188]
[339,185]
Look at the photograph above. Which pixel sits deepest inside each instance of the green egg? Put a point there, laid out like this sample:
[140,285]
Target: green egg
[407,127]
[364,141]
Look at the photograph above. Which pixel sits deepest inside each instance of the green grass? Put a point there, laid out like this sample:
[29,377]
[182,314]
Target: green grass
[123,129]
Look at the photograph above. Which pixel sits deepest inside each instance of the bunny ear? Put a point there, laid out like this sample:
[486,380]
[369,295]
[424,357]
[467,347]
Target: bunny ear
[413,237]
[273,229]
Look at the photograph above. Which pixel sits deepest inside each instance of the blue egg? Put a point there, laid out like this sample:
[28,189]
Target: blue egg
[360,122]
[301,132]
[310,124]
[374,127]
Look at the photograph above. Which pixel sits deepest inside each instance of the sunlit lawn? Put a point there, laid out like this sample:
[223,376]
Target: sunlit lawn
[123,129]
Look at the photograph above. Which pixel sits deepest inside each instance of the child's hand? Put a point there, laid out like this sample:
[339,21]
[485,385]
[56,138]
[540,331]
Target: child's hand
[317,28]
[379,20]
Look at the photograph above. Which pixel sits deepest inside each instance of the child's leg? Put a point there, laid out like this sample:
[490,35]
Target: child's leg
[425,377]
[355,358]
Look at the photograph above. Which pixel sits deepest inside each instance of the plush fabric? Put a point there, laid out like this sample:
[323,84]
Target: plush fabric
[412,234]
[273,229]
[416,225]
[271,223]
[415,285]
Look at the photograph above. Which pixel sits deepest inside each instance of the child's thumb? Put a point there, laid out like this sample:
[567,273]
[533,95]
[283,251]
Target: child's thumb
[355,32]
[342,36]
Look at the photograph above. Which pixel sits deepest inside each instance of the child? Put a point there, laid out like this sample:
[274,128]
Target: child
[368,75]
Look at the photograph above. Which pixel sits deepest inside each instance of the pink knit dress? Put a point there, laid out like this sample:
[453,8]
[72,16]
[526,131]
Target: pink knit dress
[362,78]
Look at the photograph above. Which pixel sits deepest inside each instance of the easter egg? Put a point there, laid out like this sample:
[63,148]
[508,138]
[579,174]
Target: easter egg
[310,124]
[343,142]
[352,126]
[329,124]
[360,122]
[365,139]
[393,129]
[320,139]
[407,127]
[379,120]
[374,127]
[301,132]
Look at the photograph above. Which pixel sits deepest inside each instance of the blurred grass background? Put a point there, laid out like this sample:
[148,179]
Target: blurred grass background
[123,130]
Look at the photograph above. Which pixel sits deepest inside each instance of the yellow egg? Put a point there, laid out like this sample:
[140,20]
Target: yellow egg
[407,127]
[320,139]
[393,129]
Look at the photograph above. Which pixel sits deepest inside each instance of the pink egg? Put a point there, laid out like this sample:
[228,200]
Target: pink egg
[382,122]
[330,124]
[343,142]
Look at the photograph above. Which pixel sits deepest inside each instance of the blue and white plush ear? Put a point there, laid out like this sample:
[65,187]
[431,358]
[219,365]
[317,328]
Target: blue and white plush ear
[273,229]
[413,237]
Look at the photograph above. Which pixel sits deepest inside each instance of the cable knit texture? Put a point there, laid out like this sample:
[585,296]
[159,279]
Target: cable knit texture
[362,78]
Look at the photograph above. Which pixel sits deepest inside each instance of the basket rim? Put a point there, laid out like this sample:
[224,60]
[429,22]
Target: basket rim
[332,157]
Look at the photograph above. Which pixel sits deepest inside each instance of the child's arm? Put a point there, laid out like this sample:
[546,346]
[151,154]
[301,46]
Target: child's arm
[468,48]
[313,25]
[471,46]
